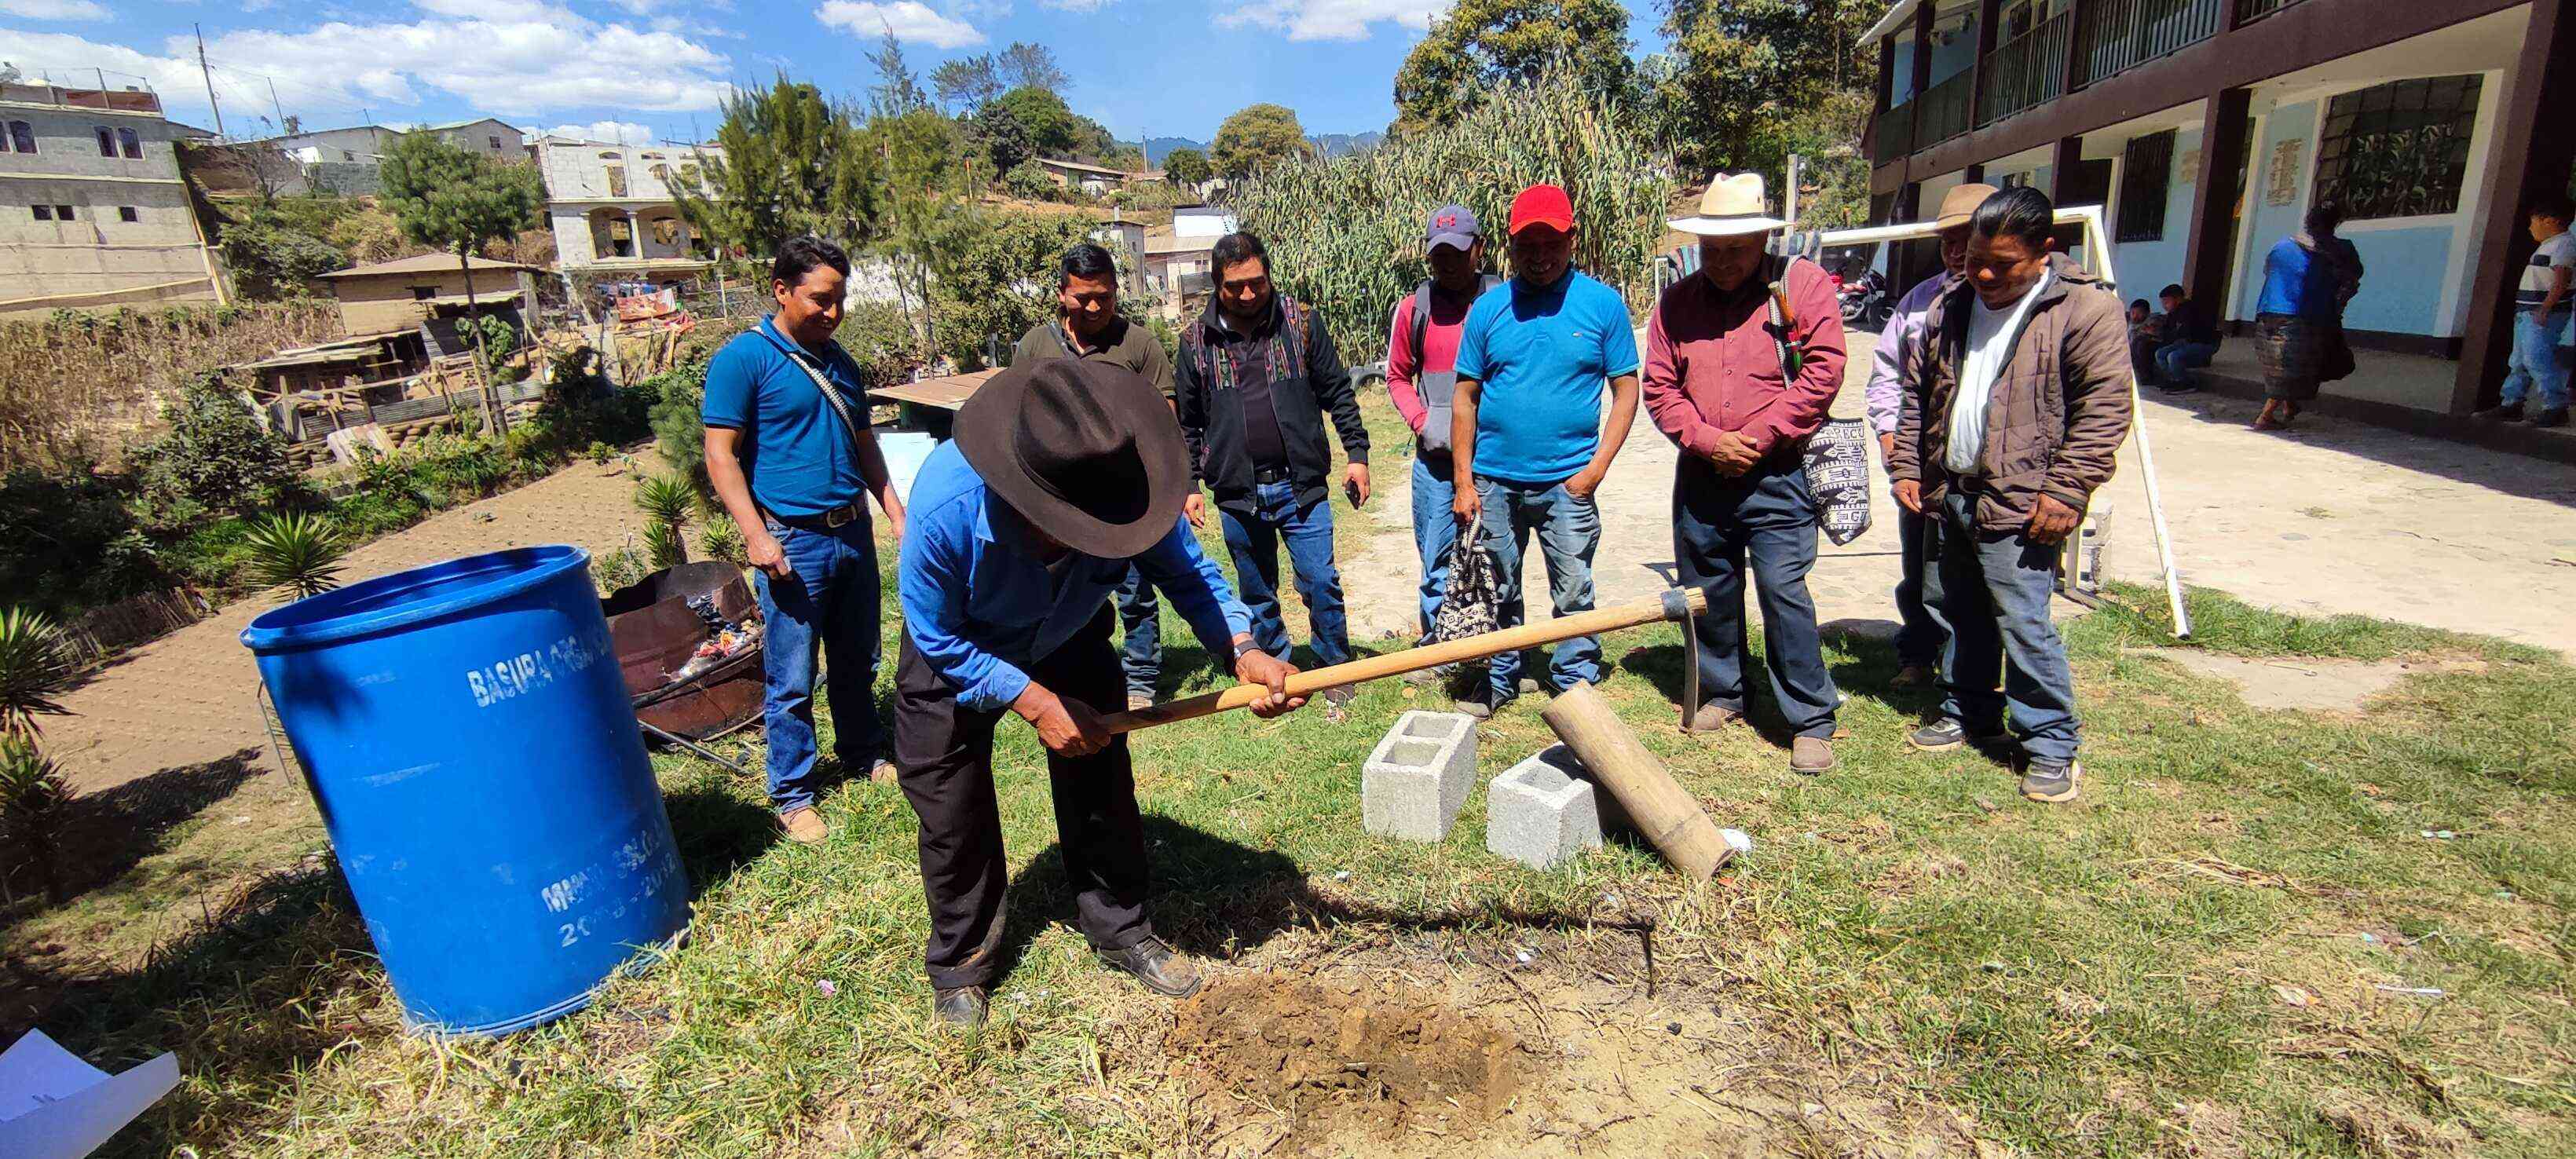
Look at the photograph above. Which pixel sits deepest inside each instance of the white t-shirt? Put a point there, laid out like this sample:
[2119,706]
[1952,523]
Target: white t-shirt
[1990,345]
[2556,254]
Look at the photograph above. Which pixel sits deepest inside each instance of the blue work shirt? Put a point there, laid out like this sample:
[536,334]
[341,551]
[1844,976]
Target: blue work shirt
[981,610]
[799,458]
[1541,359]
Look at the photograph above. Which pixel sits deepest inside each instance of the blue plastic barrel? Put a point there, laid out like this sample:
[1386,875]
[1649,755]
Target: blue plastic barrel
[465,731]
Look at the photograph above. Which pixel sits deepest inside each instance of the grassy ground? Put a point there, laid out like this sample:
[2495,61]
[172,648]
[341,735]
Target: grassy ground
[2190,961]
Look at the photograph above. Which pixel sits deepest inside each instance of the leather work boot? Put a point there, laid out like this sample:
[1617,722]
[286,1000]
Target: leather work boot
[962,1008]
[1155,964]
[804,826]
[882,771]
[1913,676]
[1714,716]
[1811,755]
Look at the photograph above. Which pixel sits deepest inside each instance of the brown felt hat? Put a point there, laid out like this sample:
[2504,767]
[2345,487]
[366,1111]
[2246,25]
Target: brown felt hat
[1960,204]
[1086,452]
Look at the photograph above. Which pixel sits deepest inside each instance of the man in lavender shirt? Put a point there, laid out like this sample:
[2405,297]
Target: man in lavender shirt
[1918,636]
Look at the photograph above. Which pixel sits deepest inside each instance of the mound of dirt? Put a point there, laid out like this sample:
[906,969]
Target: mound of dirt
[1370,1057]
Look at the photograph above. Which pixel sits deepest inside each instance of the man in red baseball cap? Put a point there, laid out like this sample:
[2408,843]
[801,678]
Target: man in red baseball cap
[1529,444]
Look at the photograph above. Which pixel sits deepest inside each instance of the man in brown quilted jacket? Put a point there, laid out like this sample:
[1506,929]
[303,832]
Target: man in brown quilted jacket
[2015,405]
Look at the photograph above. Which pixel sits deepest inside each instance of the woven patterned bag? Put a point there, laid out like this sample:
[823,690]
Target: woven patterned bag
[1470,603]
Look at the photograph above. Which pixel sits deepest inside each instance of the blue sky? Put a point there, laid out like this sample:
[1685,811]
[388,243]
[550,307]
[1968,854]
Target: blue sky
[631,68]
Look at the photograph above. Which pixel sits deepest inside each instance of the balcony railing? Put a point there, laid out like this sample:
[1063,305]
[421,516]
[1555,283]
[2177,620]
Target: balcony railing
[2248,11]
[1945,111]
[1895,134]
[2118,35]
[2026,70]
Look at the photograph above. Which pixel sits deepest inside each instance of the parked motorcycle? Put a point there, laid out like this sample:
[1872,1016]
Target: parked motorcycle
[1864,298]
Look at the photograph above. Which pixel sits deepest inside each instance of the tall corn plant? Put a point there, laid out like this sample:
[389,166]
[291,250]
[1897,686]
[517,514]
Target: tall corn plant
[1345,235]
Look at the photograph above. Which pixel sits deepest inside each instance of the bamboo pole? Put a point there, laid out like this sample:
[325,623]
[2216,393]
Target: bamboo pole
[1664,811]
[1679,603]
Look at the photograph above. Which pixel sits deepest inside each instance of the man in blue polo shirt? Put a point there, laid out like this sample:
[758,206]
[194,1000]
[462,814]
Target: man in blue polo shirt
[790,453]
[1530,446]
[1064,474]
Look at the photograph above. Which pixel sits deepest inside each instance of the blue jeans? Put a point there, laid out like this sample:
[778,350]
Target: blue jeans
[2173,359]
[2536,361]
[1991,591]
[1569,531]
[1435,530]
[1768,517]
[1253,537]
[828,606]
[1140,621]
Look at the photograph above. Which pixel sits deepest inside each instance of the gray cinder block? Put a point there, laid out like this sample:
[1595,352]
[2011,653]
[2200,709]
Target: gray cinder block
[1416,781]
[1546,811]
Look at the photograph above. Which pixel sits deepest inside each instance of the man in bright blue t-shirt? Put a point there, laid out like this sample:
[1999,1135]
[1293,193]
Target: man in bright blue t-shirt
[1530,443]
[795,471]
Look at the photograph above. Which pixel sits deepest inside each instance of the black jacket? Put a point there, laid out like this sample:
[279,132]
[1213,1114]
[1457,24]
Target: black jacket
[1211,413]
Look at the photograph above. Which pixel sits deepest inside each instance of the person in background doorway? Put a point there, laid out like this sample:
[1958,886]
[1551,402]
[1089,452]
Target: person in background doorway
[1422,380]
[2145,334]
[1064,474]
[2190,339]
[1716,384]
[1088,326]
[1529,443]
[1258,375]
[1919,637]
[2022,400]
[793,459]
[2307,279]
[2536,375]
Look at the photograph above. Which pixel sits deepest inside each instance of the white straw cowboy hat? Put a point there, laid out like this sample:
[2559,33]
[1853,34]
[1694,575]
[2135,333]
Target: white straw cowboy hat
[1733,205]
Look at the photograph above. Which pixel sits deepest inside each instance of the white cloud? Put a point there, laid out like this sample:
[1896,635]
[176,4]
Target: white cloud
[510,59]
[626,132]
[1076,5]
[1334,19]
[54,9]
[907,19]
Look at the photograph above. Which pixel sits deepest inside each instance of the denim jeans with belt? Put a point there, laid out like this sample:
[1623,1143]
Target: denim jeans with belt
[1253,538]
[1435,530]
[2537,365]
[829,606]
[1569,531]
[1140,620]
[1767,517]
[1991,590]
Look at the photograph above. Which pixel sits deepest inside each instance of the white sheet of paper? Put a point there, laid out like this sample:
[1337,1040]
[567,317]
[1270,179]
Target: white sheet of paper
[54,1106]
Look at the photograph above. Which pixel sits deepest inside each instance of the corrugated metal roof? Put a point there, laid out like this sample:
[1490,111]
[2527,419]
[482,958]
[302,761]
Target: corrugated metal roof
[424,264]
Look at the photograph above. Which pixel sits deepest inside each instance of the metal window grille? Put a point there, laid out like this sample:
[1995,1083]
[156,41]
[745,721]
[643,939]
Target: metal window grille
[2146,168]
[2400,149]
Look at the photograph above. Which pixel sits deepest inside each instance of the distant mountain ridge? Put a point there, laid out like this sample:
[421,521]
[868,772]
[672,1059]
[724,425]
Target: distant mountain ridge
[1328,144]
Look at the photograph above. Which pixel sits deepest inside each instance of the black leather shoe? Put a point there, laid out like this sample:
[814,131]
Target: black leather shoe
[1158,967]
[963,1007]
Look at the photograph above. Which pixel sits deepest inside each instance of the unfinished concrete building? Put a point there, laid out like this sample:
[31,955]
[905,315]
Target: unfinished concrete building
[613,211]
[93,211]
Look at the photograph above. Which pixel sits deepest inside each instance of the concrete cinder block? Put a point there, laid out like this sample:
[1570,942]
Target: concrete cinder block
[1546,811]
[1417,780]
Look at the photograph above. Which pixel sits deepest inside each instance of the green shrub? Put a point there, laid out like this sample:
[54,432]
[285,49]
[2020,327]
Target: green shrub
[1027,180]
[618,569]
[32,794]
[215,457]
[996,288]
[272,258]
[70,541]
[35,669]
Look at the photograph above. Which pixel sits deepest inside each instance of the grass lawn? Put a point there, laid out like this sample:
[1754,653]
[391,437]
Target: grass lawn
[2214,952]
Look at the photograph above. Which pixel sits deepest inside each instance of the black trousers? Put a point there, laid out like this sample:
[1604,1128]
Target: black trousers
[1765,517]
[944,751]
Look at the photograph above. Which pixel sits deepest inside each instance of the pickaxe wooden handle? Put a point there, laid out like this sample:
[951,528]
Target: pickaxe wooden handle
[1679,604]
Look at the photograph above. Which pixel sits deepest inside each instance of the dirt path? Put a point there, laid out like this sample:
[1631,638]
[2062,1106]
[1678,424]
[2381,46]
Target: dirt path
[188,699]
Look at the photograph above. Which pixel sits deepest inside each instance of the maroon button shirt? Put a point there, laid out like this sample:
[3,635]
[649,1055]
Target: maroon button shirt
[1712,365]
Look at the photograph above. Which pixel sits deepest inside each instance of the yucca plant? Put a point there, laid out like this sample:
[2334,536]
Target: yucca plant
[722,538]
[299,552]
[1345,235]
[665,502]
[34,669]
[32,793]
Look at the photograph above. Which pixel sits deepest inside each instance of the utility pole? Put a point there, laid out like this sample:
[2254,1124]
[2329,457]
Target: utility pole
[209,74]
[274,106]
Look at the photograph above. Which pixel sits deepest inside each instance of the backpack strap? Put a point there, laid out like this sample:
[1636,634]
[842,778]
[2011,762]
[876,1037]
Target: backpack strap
[1421,320]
